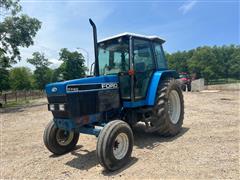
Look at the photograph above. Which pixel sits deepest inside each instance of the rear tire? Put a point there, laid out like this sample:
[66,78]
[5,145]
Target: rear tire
[189,87]
[59,141]
[114,145]
[184,87]
[169,108]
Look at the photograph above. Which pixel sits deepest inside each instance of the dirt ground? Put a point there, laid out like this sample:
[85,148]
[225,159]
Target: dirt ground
[207,147]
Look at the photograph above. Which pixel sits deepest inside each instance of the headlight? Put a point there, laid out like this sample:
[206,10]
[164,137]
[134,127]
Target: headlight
[61,107]
[51,107]
[57,107]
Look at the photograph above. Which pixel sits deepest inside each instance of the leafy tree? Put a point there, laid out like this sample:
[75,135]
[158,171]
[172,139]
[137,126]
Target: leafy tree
[204,63]
[178,61]
[16,30]
[57,74]
[9,7]
[208,62]
[39,60]
[4,73]
[73,64]
[20,78]
[234,68]
[4,80]
[42,76]
[42,73]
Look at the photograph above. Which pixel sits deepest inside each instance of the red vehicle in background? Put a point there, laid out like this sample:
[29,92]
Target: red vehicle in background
[186,81]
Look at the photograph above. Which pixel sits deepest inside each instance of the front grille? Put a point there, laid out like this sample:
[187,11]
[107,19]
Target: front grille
[57,99]
[86,103]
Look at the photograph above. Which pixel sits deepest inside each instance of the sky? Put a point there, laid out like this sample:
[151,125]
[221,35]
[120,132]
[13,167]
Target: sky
[184,24]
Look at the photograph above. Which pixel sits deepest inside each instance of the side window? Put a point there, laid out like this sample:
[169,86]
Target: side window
[143,65]
[161,61]
[143,59]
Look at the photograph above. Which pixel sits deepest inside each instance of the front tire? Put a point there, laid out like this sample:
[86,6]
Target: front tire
[114,145]
[169,108]
[59,141]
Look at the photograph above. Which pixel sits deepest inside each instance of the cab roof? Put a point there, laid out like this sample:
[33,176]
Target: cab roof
[152,38]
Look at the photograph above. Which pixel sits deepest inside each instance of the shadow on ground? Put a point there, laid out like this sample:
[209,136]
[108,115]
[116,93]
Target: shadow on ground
[147,140]
[85,160]
[75,149]
[133,160]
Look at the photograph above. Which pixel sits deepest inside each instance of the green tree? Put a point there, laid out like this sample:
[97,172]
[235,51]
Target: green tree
[42,76]
[39,60]
[16,30]
[4,73]
[9,7]
[204,63]
[223,55]
[20,78]
[208,62]
[42,73]
[4,80]
[58,74]
[234,68]
[73,64]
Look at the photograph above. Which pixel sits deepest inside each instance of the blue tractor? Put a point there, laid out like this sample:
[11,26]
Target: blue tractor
[131,84]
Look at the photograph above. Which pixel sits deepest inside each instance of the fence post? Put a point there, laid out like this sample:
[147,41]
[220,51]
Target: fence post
[16,96]
[5,98]
[25,95]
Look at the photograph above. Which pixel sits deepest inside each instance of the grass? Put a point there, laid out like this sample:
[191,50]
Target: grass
[19,103]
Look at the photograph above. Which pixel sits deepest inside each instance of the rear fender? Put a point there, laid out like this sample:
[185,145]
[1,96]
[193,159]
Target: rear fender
[157,77]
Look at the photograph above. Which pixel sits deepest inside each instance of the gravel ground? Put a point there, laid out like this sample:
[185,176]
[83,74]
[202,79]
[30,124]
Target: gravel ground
[207,147]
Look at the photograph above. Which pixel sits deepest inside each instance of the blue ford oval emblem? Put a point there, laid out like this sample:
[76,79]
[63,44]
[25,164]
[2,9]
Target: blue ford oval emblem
[54,89]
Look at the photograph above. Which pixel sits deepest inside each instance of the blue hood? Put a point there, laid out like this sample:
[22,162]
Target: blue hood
[59,88]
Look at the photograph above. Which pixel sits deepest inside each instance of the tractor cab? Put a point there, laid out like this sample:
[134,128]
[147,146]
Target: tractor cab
[133,58]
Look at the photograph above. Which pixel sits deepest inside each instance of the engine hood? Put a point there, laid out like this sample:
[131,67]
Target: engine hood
[83,84]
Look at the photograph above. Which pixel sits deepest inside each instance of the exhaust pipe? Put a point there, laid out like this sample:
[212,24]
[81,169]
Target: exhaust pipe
[96,72]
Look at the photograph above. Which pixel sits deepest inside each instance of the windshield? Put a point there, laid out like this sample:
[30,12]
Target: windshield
[113,56]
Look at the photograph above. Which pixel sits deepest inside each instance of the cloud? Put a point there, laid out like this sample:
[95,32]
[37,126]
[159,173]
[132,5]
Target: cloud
[187,6]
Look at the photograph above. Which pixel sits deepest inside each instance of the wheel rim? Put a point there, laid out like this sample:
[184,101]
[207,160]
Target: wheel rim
[121,145]
[174,106]
[63,137]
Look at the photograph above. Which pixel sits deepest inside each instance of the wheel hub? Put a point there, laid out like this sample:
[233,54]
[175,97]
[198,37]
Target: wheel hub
[120,146]
[63,137]
[174,106]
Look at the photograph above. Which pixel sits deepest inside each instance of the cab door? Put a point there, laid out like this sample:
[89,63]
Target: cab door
[144,65]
